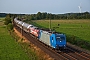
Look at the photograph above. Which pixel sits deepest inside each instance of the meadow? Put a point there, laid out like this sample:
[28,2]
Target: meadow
[76,30]
[9,49]
[79,28]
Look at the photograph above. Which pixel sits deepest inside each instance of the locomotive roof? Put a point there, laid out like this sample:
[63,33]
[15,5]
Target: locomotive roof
[51,32]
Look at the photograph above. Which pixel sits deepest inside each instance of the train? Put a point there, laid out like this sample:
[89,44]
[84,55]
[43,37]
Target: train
[50,38]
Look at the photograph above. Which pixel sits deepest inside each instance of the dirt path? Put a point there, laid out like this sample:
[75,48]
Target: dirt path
[38,51]
[19,34]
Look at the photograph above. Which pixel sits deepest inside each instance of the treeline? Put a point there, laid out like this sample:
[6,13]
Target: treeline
[45,15]
[85,15]
[2,14]
[40,16]
[11,15]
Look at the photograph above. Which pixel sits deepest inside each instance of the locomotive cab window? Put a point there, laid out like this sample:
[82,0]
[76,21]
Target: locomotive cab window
[60,38]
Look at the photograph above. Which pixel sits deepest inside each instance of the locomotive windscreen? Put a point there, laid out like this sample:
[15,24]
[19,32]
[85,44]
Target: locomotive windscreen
[60,38]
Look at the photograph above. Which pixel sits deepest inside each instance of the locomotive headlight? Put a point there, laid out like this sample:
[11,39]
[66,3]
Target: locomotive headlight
[60,41]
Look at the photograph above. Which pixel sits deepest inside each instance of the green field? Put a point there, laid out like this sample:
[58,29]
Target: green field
[79,28]
[9,49]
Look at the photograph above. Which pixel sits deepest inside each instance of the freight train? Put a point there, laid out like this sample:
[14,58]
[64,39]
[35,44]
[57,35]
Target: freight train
[54,40]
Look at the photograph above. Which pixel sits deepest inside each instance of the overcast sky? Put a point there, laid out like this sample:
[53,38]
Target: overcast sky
[50,6]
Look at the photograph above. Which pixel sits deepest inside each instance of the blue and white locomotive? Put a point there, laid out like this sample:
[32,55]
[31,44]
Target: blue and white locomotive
[54,40]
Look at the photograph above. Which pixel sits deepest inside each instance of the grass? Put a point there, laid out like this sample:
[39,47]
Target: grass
[1,21]
[9,49]
[13,49]
[79,28]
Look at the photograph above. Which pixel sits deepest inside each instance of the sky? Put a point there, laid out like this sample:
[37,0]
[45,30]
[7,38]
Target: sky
[49,6]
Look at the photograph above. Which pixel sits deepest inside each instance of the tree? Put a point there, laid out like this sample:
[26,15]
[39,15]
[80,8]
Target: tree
[7,20]
[39,14]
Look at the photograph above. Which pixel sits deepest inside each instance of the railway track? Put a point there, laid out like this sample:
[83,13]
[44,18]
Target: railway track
[78,54]
[67,54]
[41,46]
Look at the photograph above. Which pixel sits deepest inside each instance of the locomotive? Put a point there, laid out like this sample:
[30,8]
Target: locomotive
[54,40]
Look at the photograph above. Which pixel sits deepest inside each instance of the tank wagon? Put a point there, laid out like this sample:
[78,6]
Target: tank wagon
[26,27]
[54,40]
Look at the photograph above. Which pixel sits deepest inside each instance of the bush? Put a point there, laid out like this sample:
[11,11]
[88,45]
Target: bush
[10,26]
[7,20]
